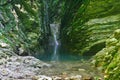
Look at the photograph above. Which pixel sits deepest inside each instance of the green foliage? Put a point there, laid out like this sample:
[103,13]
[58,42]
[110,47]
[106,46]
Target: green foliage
[24,19]
[18,19]
[74,28]
[24,22]
[109,57]
[99,9]
[72,20]
[92,23]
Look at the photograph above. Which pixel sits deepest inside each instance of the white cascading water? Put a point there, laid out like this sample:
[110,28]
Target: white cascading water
[55,31]
[55,39]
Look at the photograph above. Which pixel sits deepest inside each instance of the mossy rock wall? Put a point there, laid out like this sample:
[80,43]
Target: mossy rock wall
[102,18]
[109,57]
[20,25]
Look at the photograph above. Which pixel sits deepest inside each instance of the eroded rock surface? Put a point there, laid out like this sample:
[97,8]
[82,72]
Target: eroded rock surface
[109,57]
[17,67]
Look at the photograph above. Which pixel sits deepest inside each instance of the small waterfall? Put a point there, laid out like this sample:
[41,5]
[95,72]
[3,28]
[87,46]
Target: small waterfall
[55,39]
[55,56]
[55,33]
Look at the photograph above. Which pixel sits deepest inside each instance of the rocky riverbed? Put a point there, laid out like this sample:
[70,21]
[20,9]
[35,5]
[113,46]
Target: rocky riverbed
[14,67]
[17,67]
[30,68]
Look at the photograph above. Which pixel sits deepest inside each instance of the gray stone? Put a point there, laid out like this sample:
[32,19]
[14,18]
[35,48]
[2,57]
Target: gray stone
[18,67]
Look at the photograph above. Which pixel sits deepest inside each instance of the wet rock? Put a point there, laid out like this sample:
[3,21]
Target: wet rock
[2,61]
[17,67]
[57,78]
[5,50]
[4,72]
[77,77]
[3,56]
[21,50]
[82,70]
[43,77]
[3,45]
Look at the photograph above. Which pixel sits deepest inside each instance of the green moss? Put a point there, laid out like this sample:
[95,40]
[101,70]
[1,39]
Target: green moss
[97,23]
[109,57]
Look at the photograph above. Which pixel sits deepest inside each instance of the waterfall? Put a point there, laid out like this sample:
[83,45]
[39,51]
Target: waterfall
[55,33]
[55,39]
[55,56]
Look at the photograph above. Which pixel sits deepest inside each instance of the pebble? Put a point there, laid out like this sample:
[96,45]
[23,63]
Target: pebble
[4,72]
[81,70]
[3,45]
[77,77]
[43,77]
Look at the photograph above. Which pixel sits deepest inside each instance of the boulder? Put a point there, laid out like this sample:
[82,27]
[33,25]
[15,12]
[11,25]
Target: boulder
[17,67]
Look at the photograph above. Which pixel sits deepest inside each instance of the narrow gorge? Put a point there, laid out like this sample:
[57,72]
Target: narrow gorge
[59,39]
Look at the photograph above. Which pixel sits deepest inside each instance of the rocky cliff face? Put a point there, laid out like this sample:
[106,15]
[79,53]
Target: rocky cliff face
[109,57]
[102,18]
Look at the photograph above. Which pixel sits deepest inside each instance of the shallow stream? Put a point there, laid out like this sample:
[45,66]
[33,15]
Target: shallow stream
[69,65]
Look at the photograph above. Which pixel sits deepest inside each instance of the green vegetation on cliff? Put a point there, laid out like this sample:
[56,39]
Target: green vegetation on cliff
[19,22]
[109,57]
[86,27]
[99,20]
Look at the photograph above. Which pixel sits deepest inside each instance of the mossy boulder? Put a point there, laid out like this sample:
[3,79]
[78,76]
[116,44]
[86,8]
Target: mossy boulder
[109,57]
[5,50]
